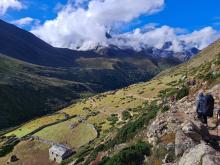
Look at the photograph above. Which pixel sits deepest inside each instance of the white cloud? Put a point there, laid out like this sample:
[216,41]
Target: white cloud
[201,38]
[79,3]
[24,21]
[6,4]
[79,26]
[74,27]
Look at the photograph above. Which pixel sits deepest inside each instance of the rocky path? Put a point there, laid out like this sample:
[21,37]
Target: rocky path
[195,144]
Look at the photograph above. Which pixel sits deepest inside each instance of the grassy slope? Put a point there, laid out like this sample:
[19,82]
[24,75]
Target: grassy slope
[26,92]
[134,95]
[29,91]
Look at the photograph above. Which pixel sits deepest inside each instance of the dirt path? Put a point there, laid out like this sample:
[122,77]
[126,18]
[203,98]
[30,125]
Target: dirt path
[138,97]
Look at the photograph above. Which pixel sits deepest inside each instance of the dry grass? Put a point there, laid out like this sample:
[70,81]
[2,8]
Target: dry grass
[29,153]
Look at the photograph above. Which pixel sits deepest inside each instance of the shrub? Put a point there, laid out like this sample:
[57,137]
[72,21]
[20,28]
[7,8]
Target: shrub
[113,119]
[158,154]
[211,76]
[184,91]
[129,130]
[6,149]
[126,115]
[94,153]
[165,109]
[141,92]
[134,155]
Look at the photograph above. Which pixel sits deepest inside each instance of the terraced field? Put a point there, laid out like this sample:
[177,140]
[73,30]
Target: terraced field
[71,133]
[33,125]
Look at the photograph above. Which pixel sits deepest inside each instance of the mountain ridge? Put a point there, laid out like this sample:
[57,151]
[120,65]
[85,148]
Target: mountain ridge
[25,46]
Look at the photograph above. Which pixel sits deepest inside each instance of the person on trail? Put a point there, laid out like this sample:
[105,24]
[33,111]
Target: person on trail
[201,109]
[205,107]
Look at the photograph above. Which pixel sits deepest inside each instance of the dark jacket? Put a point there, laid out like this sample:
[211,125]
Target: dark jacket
[200,108]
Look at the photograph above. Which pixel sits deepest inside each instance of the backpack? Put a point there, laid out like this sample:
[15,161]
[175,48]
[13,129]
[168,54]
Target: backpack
[209,105]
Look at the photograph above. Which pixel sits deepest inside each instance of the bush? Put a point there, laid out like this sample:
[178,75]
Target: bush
[113,119]
[158,154]
[6,149]
[211,76]
[181,93]
[129,130]
[134,155]
[94,153]
[165,109]
[126,115]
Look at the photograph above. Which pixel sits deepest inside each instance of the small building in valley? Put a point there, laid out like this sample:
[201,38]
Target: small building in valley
[58,153]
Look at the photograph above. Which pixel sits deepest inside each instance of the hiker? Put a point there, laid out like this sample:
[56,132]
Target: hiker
[200,108]
[205,107]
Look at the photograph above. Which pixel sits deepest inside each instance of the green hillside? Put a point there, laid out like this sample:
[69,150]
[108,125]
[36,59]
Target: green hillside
[37,79]
[28,91]
[141,102]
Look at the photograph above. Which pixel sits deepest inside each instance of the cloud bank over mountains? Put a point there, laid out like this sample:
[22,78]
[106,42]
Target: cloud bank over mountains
[158,37]
[83,24]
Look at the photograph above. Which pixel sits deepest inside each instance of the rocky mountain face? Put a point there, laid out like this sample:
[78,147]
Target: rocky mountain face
[194,143]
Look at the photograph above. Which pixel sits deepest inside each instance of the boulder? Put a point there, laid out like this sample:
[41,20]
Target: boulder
[193,131]
[199,155]
[211,160]
[182,143]
[13,158]
[167,158]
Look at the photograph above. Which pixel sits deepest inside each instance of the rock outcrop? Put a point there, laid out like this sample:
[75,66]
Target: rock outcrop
[201,154]
[195,143]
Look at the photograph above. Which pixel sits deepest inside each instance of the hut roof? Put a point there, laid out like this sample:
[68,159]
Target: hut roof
[59,149]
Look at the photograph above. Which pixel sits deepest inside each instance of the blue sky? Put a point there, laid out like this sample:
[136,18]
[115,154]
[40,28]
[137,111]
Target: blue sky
[188,14]
[37,9]
[73,24]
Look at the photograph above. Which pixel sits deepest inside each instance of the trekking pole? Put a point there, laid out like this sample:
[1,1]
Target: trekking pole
[218,113]
[217,123]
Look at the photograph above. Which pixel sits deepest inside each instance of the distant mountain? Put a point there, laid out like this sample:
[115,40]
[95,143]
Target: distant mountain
[150,52]
[36,78]
[22,45]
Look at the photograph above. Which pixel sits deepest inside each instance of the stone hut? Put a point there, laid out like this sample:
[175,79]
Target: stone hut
[58,153]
